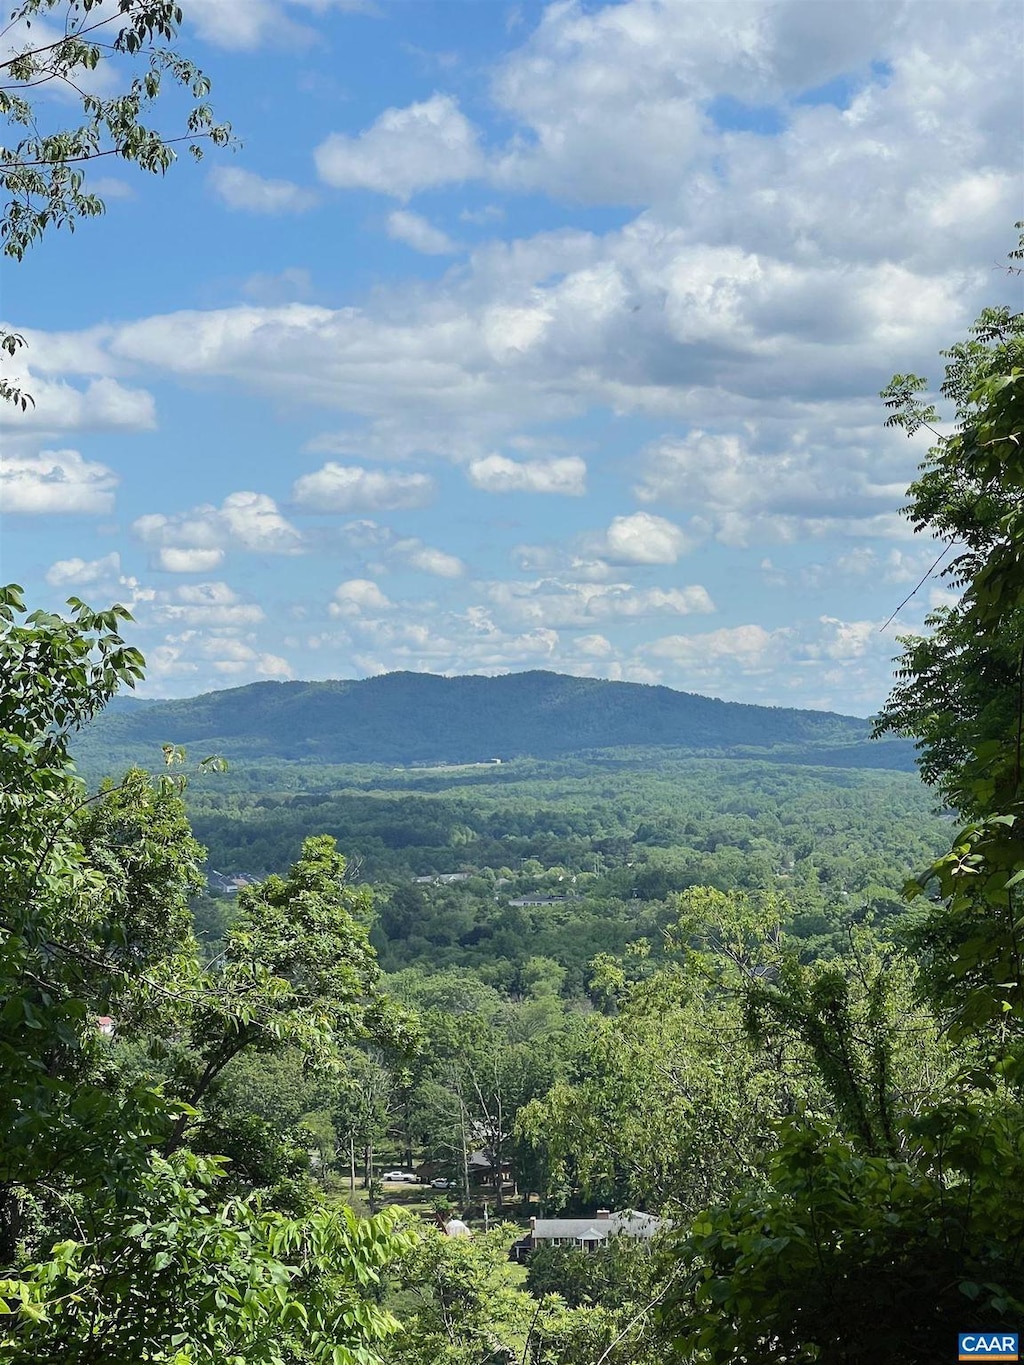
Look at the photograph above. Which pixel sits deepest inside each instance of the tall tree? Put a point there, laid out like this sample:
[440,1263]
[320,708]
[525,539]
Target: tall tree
[118,1243]
[960,689]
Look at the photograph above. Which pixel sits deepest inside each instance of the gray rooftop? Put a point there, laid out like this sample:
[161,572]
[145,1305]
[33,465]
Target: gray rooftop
[595,1229]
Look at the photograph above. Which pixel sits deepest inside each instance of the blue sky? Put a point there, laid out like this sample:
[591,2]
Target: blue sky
[521,336]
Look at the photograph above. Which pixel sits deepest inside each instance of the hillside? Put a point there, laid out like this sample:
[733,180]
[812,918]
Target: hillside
[418,718]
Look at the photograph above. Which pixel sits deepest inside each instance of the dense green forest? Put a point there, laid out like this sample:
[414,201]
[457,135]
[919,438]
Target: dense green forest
[604,844]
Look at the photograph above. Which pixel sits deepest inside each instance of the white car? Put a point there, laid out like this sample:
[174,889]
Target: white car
[442,1184]
[402,1177]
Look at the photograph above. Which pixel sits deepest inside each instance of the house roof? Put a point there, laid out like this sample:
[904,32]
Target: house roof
[597,1229]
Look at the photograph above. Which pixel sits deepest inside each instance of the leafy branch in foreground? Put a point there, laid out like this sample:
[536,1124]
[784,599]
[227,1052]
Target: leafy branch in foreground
[111,61]
[76,50]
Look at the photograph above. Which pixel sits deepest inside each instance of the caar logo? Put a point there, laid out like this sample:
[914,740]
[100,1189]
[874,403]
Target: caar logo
[988,1346]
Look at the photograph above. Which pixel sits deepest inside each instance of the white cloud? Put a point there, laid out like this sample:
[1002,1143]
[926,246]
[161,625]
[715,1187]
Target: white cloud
[643,538]
[196,605]
[104,404]
[253,522]
[356,596]
[595,645]
[242,189]
[405,150]
[56,482]
[489,213]
[177,559]
[554,602]
[863,565]
[350,488]
[101,579]
[84,573]
[419,233]
[806,663]
[429,560]
[111,187]
[749,647]
[744,486]
[246,520]
[390,550]
[847,639]
[245,25]
[498,474]
[207,657]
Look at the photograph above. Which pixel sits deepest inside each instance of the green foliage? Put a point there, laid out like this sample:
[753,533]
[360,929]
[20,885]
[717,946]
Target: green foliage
[666,1103]
[163,1271]
[56,45]
[878,1053]
[460,1303]
[962,688]
[618,1275]
[958,688]
[845,1257]
[117,1243]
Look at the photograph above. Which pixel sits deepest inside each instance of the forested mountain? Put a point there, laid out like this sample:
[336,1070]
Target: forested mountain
[423,718]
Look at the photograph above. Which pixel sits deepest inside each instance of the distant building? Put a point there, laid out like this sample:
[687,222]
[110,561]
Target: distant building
[227,884]
[105,1025]
[587,1234]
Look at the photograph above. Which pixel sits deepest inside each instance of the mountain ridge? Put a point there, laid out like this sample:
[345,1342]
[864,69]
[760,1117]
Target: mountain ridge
[416,718]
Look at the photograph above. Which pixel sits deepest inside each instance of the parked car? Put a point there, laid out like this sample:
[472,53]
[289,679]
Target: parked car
[403,1177]
[442,1184]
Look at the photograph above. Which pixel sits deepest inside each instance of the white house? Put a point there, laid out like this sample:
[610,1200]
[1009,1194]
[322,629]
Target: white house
[589,1233]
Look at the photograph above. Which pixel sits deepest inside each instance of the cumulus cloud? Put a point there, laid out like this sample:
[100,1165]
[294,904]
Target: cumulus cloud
[405,150]
[350,488]
[242,189]
[207,604]
[804,480]
[419,233]
[56,482]
[246,521]
[750,647]
[391,550]
[179,559]
[84,573]
[111,187]
[103,404]
[194,654]
[429,560]
[103,578]
[643,538]
[805,663]
[565,604]
[356,596]
[498,474]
